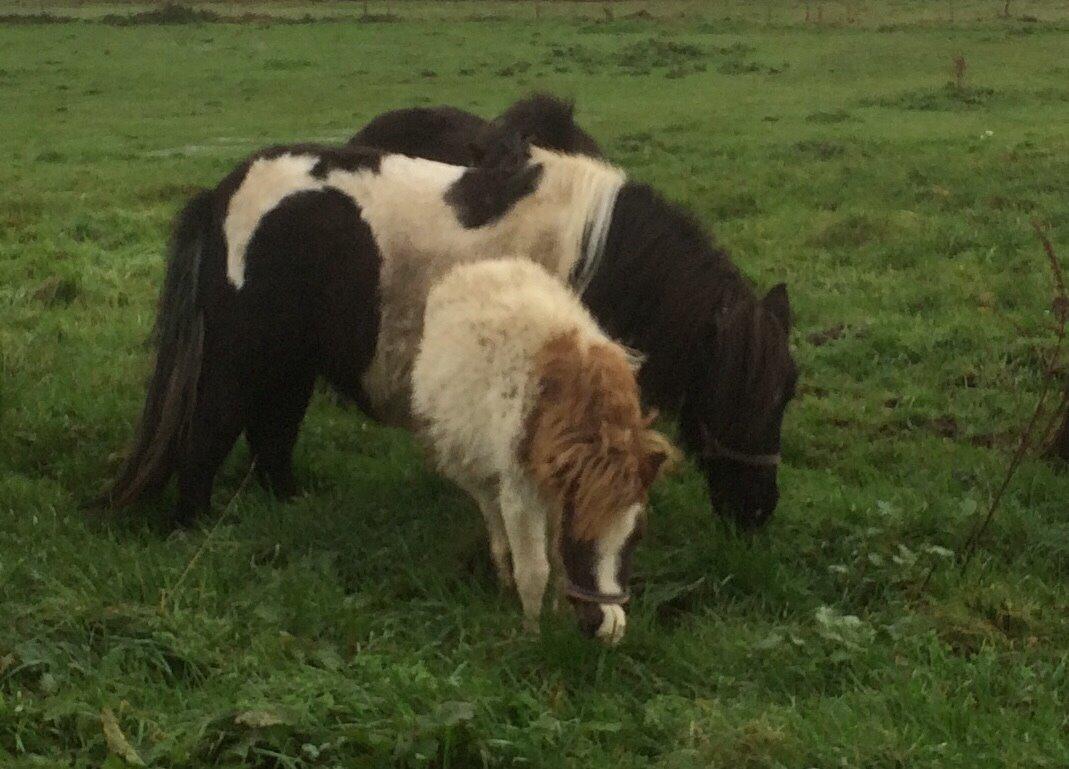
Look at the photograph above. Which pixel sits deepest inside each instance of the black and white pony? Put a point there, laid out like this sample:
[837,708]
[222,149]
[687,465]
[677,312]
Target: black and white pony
[671,293]
[311,261]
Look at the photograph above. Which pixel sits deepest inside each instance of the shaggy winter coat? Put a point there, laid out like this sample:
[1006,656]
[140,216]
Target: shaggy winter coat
[526,403]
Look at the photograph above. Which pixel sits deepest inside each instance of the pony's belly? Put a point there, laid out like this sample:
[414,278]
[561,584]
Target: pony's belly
[389,398]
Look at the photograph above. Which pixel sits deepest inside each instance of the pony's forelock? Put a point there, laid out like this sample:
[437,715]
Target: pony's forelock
[588,442]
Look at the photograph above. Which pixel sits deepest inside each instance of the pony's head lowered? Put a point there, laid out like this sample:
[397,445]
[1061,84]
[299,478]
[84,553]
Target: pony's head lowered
[732,420]
[593,457]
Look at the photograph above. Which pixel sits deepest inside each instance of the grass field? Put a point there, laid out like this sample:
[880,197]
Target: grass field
[347,628]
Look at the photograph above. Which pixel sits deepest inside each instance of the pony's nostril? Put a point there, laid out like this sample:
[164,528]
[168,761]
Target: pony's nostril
[590,618]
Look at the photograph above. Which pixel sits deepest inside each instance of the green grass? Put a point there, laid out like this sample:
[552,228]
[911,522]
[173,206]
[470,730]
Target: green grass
[346,628]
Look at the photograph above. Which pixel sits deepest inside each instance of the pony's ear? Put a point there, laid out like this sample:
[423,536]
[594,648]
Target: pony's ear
[778,303]
[660,455]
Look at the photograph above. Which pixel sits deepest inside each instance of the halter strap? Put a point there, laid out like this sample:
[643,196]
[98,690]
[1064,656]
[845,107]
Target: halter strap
[756,460]
[592,596]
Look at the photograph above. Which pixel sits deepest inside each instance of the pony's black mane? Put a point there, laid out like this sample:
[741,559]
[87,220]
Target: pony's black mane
[661,282]
[544,120]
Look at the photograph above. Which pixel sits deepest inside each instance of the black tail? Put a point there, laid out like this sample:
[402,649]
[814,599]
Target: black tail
[179,339]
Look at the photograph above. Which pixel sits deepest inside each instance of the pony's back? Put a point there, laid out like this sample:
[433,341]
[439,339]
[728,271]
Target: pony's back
[473,381]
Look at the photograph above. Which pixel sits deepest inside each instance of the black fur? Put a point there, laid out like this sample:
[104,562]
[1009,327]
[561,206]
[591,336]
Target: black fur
[545,121]
[178,336]
[450,135]
[716,355]
[483,195]
[247,361]
[445,134]
[349,159]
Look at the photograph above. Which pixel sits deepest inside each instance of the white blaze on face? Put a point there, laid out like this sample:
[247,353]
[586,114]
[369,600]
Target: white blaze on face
[267,182]
[609,550]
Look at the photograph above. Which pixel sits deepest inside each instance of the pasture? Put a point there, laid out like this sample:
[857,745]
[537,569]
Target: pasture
[359,624]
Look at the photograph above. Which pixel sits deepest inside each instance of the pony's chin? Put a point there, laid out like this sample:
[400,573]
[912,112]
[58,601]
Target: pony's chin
[744,523]
[603,621]
[745,517]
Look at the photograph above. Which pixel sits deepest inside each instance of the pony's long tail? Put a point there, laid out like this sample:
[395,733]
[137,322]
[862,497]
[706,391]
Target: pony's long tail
[178,336]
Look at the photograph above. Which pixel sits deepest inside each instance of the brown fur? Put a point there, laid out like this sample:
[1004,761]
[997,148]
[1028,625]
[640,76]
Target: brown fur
[587,436]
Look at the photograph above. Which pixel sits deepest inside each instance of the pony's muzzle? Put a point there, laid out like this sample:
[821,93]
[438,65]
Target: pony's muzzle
[603,621]
[613,624]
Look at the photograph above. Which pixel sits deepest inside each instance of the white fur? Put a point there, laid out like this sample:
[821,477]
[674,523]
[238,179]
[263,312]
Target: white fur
[610,547]
[613,624]
[266,183]
[473,380]
[420,238]
[609,550]
[600,218]
[474,386]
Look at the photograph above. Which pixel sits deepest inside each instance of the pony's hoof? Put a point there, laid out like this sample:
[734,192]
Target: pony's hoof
[280,483]
[532,626]
[182,518]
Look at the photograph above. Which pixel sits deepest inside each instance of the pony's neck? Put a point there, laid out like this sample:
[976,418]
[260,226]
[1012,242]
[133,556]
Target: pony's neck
[658,288]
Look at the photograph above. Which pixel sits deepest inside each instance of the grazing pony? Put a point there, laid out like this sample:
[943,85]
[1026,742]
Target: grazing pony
[717,357]
[310,261]
[450,135]
[526,404]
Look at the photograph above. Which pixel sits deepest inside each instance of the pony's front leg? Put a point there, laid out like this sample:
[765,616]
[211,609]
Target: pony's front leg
[489,505]
[524,517]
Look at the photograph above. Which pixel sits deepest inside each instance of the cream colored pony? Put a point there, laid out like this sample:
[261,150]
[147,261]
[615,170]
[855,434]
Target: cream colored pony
[531,408]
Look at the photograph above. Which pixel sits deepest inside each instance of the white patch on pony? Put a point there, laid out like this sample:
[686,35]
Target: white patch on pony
[613,624]
[588,189]
[266,183]
[420,239]
[601,216]
[417,171]
[609,548]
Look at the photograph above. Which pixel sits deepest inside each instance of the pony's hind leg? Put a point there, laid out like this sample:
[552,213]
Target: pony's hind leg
[276,406]
[525,521]
[490,507]
[216,425]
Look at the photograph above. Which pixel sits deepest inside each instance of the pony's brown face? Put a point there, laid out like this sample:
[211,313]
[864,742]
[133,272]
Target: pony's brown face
[593,457]
[597,573]
[750,380]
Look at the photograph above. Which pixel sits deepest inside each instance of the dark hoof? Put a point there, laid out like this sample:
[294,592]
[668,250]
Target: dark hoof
[182,518]
[281,485]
